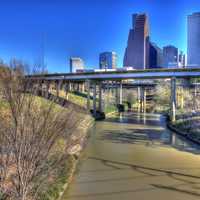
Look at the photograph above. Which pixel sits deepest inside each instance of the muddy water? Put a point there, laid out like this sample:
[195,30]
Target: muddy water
[135,157]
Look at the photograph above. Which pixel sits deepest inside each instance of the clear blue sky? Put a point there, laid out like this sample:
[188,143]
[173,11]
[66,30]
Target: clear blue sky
[85,28]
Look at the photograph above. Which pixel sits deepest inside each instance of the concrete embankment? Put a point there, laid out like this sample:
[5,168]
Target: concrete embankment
[81,136]
[182,133]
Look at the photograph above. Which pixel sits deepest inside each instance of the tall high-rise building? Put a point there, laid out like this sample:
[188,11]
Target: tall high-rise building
[108,60]
[76,64]
[170,56]
[193,41]
[181,59]
[155,56]
[137,51]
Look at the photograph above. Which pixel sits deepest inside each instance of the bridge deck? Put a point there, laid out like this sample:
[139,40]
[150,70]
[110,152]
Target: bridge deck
[119,75]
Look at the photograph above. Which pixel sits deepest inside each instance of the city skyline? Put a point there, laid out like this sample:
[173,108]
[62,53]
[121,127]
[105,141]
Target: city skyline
[64,39]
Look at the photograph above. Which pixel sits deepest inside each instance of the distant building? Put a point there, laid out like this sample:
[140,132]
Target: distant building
[193,41]
[182,59]
[108,60]
[137,51]
[76,64]
[170,57]
[155,56]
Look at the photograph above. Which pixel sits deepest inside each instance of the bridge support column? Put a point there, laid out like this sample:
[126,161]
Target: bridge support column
[82,87]
[141,100]
[100,96]
[111,86]
[47,89]
[181,98]
[144,100]
[42,88]
[40,92]
[195,97]
[66,88]
[88,95]
[69,87]
[110,89]
[58,87]
[94,98]
[116,93]
[120,93]
[77,87]
[173,100]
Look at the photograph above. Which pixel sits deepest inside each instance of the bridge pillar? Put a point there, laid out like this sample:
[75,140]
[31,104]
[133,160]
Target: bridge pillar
[173,100]
[182,97]
[110,89]
[120,93]
[40,91]
[94,98]
[66,88]
[116,93]
[88,95]
[195,96]
[70,86]
[77,87]
[82,87]
[58,87]
[141,100]
[47,89]
[100,96]
[144,100]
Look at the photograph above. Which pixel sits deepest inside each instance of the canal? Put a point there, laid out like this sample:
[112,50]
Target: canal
[135,157]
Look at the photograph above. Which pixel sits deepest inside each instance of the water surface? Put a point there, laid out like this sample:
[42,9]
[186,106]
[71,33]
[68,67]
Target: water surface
[135,157]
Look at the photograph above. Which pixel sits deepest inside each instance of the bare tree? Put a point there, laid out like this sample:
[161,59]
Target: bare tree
[30,135]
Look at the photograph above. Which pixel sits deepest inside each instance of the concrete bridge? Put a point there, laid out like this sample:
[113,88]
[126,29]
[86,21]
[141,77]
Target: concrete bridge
[97,81]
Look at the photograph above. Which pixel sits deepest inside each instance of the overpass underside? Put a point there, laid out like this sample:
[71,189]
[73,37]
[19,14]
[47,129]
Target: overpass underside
[95,90]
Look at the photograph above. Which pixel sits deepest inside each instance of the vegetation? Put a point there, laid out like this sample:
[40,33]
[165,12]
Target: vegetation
[35,138]
[53,190]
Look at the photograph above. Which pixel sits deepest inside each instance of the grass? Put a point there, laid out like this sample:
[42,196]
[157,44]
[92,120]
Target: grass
[54,189]
[110,108]
[81,100]
[75,98]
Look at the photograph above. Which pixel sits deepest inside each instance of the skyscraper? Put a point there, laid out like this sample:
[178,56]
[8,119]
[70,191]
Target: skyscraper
[137,51]
[76,64]
[181,59]
[108,60]
[170,56]
[155,56]
[193,42]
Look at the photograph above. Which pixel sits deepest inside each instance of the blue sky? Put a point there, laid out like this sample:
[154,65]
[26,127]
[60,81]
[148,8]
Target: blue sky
[85,28]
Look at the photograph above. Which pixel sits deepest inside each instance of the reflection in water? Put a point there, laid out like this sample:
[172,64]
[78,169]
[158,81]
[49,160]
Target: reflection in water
[148,136]
[121,119]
